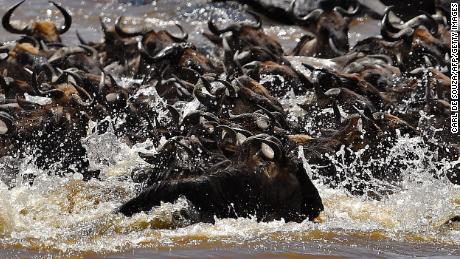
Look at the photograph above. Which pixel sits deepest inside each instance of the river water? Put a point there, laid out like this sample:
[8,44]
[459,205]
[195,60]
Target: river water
[68,217]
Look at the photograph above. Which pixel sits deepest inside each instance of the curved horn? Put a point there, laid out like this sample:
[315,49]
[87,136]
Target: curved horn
[204,98]
[29,39]
[334,47]
[227,129]
[8,26]
[64,52]
[312,16]
[166,52]
[430,23]
[277,153]
[386,24]
[232,90]
[80,38]
[90,51]
[258,24]
[424,19]
[244,132]
[67,18]
[77,97]
[347,13]
[125,34]
[403,34]
[78,79]
[78,100]
[213,28]
[388,28]
[53,92]
[147,56]
[182,37]
[194,117]
[207,85]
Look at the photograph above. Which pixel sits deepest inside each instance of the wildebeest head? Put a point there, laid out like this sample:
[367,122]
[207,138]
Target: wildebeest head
[266,155]
[113,47]
[63,92]
[264,182]
[181,56]
[6,124]
[158,46]
[23,55]
[420,36]
[152,41]
[42,30]
[330,27]
[248,35]
[392,32]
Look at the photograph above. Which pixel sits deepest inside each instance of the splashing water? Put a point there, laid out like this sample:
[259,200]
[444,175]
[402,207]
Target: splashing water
[69,215]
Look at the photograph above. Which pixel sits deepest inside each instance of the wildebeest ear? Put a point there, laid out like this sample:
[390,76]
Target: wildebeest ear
[267,151]
[271,150]
[223,131]
[263,122]
[6,123]
[268,148]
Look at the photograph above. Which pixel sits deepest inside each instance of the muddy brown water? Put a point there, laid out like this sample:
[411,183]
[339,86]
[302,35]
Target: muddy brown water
[61,218]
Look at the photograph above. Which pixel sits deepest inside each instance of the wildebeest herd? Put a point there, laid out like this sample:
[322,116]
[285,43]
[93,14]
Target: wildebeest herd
[237,153]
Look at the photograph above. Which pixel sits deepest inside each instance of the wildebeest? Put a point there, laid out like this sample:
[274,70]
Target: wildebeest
[264,181]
